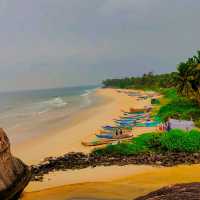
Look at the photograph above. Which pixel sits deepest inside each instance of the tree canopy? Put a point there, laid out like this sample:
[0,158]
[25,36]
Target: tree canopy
[186,80]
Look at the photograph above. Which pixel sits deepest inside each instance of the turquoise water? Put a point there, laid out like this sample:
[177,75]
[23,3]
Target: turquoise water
[26,114]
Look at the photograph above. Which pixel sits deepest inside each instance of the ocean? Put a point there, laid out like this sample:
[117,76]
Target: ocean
[28,114]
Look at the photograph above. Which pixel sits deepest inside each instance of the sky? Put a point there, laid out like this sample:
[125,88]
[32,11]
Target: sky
[56,43]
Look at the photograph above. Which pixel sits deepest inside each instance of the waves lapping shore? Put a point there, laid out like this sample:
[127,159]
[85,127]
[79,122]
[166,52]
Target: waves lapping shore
[26,114]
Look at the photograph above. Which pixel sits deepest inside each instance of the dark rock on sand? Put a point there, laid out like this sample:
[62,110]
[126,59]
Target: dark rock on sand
[14,174]
[80,161]
[189,191]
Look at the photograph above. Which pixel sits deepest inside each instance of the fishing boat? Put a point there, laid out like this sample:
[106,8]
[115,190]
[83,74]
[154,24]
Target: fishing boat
[107,136]
[116,130]
[104,141]
[147,124]
[109,128]
[113,136]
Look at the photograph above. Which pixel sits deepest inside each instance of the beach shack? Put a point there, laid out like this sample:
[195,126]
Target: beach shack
[181,124]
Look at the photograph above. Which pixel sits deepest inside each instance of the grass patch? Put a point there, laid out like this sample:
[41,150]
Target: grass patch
[177,107]
[174,141]
[180,141]
[180,108]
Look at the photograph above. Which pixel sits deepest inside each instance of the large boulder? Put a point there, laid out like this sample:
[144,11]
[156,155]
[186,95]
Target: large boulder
[14,174]
[188,191]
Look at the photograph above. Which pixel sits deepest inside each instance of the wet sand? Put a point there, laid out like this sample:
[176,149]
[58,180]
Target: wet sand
[129,187]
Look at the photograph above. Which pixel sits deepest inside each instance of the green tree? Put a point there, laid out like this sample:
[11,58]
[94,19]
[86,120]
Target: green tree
[188,78]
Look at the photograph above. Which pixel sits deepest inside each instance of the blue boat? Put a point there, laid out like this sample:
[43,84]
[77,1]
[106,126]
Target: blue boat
[107,136]
[148,124]
[109,127]
[127,119]
[124,122]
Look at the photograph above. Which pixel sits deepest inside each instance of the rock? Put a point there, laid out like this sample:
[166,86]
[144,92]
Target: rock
[177,192]
[14,174]
[79,161]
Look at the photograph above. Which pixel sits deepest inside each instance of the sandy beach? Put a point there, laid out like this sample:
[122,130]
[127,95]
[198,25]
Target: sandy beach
[118,182]
[80,127]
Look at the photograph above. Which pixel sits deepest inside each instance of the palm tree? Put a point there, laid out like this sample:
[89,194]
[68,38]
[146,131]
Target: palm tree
[196,80]
[182,79]
[188,78]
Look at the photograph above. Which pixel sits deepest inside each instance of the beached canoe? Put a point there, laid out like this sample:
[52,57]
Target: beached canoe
[107,136]
[132,113]
[125,123]
[147,124]
[132,116]
[97,143]
[114,131]
[105,141]
[111,128]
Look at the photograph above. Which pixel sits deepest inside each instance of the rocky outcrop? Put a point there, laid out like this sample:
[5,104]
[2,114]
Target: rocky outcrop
[189,191]
[14,174]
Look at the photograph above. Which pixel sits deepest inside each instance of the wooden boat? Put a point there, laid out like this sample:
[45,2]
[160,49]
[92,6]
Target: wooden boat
[111,128]
[132,116]
[105,135]
[110,136]
[111,131]
[147,124]
[104,141]
[96,143]
[136,110]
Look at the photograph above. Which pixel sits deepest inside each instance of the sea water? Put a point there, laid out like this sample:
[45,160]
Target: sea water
[26,114]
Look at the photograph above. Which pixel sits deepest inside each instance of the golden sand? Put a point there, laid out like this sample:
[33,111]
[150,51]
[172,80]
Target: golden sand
[140,183]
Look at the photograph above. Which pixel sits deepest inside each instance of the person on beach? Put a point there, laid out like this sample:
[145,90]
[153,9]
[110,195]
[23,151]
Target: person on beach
[116,132]
[168,125]
[148,117]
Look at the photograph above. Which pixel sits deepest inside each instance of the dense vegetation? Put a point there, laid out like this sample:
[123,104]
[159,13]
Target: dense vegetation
[178,107]
[173,141]
[188,78]
[147,81]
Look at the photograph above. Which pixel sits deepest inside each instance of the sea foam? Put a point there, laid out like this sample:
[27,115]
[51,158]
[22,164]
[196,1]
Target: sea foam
[55,102]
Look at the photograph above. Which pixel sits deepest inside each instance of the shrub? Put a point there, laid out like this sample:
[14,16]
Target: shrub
[180,141]
[197,123]
[174,141]
[180,108]
[169,93]
[122,149]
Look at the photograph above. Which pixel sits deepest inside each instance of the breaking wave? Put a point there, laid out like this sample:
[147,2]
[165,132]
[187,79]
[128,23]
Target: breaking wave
[55,102]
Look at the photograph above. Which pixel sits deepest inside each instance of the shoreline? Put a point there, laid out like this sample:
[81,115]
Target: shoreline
[76,118]
[81,127]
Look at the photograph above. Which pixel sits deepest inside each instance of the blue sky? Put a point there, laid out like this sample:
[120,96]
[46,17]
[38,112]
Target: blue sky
[53,43]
